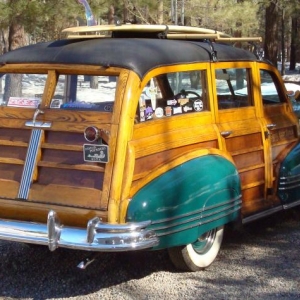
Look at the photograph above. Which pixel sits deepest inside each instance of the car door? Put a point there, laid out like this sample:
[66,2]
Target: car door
[242,132]
[279,119]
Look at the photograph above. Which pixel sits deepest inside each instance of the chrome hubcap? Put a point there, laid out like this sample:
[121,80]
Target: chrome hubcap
[205,242]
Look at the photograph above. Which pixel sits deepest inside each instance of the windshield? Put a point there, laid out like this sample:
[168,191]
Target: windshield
[80,92]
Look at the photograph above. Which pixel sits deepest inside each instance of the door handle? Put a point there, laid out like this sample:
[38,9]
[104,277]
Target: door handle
[226,134]
[35,123]
[271,126]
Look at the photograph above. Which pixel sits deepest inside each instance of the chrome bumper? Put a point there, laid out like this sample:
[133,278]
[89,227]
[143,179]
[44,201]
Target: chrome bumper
[98,236]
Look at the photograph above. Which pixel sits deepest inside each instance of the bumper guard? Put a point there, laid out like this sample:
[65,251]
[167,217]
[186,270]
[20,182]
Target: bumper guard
[98,236]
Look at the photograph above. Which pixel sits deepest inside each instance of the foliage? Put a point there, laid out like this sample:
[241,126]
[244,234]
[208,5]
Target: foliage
[45,19]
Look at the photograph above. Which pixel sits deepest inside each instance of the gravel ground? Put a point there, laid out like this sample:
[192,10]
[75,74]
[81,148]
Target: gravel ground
[262,261]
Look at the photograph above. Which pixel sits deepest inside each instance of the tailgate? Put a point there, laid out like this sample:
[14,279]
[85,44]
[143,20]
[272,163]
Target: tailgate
[43,154]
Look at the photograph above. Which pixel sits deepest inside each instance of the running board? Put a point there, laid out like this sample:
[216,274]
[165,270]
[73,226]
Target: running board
[262,214]
[293,204]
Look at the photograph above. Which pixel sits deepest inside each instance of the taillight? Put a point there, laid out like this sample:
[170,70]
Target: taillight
[91,134]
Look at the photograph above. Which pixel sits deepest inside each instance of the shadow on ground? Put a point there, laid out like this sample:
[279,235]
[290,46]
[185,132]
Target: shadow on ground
[36,273]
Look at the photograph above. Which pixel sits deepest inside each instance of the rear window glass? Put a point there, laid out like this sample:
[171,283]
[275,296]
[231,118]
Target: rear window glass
[73,92]
[85,92]
[22,90]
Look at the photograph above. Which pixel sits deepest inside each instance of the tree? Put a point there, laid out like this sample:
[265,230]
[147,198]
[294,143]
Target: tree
[271,33]
[42,20]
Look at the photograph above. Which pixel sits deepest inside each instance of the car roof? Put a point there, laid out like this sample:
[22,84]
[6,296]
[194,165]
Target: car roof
[138,54]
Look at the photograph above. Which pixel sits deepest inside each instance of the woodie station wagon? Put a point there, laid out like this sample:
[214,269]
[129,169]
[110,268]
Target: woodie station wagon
[131,137]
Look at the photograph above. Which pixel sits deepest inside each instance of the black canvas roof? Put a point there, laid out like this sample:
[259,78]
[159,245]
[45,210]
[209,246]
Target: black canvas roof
[139,55]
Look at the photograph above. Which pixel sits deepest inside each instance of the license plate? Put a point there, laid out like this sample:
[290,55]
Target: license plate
[95,153]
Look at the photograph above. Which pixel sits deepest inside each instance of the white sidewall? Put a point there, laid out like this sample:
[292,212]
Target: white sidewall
[204,260]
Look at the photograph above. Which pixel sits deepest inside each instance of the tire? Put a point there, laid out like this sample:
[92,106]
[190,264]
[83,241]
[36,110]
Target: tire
[200,254]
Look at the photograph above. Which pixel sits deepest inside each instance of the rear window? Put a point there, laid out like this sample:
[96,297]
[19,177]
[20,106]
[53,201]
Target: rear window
[72,92]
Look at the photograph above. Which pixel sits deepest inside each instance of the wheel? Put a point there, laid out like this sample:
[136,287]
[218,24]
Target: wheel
[200,254]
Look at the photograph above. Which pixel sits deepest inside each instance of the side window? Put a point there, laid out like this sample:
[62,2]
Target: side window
[173,94]
[269,91]
[233,88]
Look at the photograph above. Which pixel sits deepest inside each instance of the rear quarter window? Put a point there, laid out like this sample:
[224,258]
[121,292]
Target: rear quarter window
[173,94]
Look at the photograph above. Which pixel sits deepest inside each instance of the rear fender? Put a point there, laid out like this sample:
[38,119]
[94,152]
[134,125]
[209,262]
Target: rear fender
[188,200]
[289,179]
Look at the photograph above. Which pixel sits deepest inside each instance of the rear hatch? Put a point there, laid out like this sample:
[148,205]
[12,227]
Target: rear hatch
[44,154]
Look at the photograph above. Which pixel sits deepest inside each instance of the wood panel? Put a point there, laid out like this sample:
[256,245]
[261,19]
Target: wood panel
[66,195]
[149,162]
[32,211]
[60,68]
[253,201]
[256,174]
[180,122]
[250,159]
[65,120]
[173,139]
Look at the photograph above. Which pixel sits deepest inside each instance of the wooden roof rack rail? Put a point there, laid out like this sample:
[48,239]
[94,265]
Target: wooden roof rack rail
[159,31]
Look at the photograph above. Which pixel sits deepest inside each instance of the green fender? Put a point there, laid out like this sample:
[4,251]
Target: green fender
[289,179]
[188,200]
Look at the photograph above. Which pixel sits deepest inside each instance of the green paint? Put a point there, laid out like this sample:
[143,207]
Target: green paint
[289,177]
[189,200]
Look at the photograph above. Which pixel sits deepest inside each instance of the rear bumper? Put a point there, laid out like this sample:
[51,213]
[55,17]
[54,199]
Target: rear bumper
[98,236]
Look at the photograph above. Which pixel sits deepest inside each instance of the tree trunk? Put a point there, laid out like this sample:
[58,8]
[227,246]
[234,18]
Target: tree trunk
[283,57]
[293,43]
[271,34]
[126,18]
[160,12]
[111,15]
[94,82]
[13,82]
[16,36]
[298,41]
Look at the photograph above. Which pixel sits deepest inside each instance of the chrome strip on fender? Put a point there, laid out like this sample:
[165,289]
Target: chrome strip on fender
[288,182]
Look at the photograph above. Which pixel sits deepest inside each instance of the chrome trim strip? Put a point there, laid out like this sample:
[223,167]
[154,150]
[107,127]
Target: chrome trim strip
[98,236]
[200,217]
[290,177]
[289,182]
[293,204]
[199,211]
[38,124]
[262,214]
[197,224]
[289,187]
[29,165]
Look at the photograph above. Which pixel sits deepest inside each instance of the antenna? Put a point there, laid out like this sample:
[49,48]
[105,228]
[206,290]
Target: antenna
[88,13]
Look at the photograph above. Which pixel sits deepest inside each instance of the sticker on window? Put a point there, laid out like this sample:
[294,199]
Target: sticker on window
[23,102]
[56,103]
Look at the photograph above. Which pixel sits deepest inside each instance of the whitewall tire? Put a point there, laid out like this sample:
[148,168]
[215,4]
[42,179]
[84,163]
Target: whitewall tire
[200,254]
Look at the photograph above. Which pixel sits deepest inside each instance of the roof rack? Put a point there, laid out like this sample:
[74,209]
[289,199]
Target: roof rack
[158,31]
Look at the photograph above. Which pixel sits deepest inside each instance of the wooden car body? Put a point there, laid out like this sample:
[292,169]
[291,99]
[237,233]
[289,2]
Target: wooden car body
[196,135]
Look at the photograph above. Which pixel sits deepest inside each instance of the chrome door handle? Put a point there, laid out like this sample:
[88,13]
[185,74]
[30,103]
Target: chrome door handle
[271,126]
[226,134]
[35,123]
